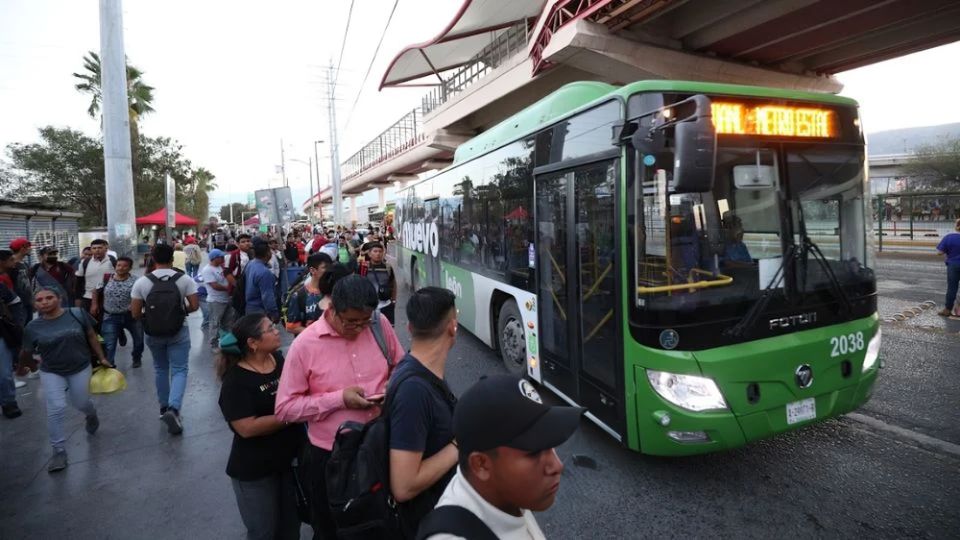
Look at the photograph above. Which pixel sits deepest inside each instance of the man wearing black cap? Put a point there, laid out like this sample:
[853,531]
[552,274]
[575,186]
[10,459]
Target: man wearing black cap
[508,466]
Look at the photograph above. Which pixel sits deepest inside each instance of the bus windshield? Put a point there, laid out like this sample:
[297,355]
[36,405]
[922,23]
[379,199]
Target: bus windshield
[719,250]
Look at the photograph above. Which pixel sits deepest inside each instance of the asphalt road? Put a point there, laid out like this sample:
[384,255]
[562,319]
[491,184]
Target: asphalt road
[840,478]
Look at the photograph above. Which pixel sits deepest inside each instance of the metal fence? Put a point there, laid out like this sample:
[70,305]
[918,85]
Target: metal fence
[914,220]
[408,131]
[504,46]
[396,139]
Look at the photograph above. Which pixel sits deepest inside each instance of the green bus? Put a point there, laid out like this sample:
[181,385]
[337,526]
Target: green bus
[689,261]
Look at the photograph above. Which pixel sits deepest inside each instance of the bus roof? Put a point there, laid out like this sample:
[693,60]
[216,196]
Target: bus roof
[579,95]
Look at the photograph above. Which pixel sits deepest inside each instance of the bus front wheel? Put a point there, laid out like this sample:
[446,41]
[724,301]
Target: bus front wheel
[513,350]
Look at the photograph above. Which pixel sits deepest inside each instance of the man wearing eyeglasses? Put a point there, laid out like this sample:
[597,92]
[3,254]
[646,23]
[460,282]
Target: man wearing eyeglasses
[335,372]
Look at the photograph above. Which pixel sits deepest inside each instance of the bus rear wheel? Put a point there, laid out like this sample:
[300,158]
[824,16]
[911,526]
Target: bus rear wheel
[511,338]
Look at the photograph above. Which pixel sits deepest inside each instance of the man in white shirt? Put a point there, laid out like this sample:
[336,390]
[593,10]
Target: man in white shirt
[92,271]
[508,463]
[220,315]
[170,350]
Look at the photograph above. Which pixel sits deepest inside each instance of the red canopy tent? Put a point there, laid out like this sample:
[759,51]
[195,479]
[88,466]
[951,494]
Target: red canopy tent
[519,213]
[160,218]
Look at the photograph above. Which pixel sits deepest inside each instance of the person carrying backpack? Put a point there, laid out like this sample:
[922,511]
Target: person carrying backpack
[422,452]
[162,299]
[336,371]
[304,301]
[381,275]
[50,272]
[509,467]
[91,274]
[194,256]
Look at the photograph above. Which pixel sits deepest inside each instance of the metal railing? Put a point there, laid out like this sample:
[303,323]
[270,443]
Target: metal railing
[408,131]
[504,46]
[903,219]
[396,139]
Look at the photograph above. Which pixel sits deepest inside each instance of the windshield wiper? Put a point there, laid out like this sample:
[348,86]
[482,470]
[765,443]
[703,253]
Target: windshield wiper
[758,307]
[809,246]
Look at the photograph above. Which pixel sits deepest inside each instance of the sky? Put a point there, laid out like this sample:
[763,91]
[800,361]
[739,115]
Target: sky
[234,78]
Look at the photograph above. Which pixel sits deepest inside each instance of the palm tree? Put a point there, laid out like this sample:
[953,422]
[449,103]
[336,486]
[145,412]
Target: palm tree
[203,185]
[139,98]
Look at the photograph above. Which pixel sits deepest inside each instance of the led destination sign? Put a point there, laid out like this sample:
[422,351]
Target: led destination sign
[773,120]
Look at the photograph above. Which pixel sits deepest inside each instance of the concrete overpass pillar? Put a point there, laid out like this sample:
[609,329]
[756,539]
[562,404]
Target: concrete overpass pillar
[353,209]
[381,197]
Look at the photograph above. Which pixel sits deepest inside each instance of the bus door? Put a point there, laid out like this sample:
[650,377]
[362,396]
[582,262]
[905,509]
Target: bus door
[576,286]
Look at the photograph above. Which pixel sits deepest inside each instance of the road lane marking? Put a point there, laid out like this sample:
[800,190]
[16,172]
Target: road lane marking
[924,441]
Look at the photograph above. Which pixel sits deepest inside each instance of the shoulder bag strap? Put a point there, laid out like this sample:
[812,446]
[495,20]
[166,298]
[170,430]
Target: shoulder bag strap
[455,520]
[381,339]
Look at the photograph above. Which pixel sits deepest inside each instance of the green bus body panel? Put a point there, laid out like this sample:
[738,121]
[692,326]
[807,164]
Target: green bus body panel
[771,364]
[692,87]
[570,98]
[548,110]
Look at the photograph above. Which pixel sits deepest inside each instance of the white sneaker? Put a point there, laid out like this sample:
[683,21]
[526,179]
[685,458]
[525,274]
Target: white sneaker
[35,374]
[17,383]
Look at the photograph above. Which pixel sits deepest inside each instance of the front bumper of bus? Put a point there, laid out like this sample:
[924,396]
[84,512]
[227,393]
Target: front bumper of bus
[670,430]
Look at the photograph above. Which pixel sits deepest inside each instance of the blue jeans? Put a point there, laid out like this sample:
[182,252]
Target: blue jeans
[205,311]
[192,269]
[171,355]
[953,282]
[8,391]
[56,390]
[113,324]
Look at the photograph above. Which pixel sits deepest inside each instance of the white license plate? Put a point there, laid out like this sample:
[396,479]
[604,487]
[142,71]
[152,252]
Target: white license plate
[799,411]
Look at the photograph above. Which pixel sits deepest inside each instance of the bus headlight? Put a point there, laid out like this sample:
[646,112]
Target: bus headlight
[687,391]
[873,352]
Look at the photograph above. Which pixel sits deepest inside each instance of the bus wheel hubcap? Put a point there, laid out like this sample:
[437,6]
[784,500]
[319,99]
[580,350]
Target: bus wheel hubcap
[513,341]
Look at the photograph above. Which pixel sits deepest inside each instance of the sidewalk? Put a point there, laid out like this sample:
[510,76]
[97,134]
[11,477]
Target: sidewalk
[131,479]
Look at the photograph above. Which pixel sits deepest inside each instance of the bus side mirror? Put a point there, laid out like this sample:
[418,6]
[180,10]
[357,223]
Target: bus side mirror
[695,150]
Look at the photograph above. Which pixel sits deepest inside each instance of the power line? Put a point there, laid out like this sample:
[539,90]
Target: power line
[343,46]
[370,66]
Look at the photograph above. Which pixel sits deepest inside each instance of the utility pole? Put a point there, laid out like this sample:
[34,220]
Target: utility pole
[121,214]
[310,167]
[283,165]
[334,153]
[316,163]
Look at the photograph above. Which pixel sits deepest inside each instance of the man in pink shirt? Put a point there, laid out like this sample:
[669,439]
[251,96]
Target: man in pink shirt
[335,372]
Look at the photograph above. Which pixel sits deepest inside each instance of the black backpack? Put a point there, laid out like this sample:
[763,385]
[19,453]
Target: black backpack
[238,298]
[358,471]
[455,520]
[163,307]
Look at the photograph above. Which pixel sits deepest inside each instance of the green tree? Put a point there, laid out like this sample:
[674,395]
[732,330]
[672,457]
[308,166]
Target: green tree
[238,209]
[935,167]
[65,168]
[139,98]
[203,185]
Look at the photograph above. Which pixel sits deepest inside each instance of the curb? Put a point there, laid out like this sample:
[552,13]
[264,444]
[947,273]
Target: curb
[924,441]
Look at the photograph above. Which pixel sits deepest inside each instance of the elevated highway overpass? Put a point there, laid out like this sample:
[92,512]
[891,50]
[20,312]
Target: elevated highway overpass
[495,58]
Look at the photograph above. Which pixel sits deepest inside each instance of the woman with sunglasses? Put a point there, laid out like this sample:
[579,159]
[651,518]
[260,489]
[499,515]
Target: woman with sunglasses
[263,446]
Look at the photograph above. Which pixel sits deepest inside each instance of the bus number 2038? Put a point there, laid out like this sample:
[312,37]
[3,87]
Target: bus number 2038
[848,344]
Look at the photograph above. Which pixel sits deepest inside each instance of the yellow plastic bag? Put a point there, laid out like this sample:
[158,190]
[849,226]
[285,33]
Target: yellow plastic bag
[106,381]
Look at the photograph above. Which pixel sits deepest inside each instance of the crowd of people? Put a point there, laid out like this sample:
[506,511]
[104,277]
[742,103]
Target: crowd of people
[489,454]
